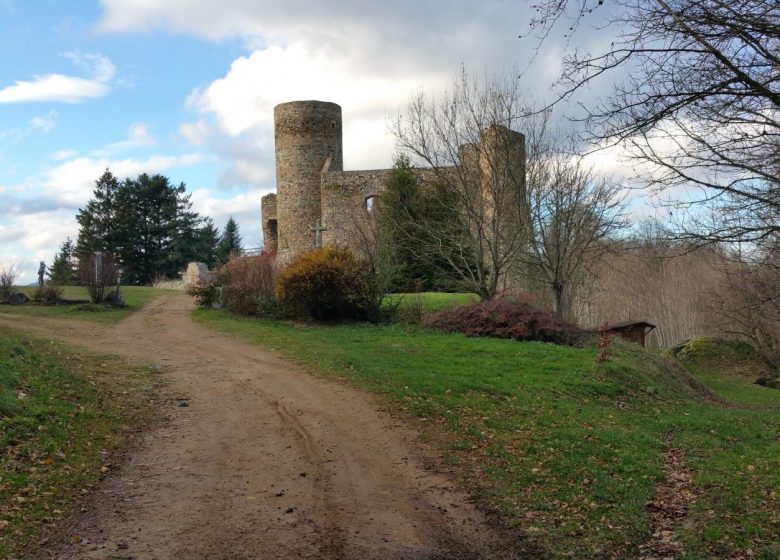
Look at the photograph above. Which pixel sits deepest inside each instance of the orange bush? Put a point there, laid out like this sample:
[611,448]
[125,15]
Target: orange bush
[327,284]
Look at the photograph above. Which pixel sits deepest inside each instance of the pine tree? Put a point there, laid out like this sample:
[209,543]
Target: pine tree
[207,243]
[148,222]
[230,242]
[98,220]
[62,271]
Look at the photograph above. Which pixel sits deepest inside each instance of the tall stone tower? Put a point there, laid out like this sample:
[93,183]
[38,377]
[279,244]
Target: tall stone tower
[308,142]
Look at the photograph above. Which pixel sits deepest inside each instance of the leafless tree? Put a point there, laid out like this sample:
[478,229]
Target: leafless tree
[98,272]
[696,95]
[748,301]
[7,281]
[574,216]
[466,140]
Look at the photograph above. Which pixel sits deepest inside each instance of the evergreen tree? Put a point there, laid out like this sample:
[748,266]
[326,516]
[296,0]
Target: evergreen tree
[230,242]
[62,271]
[98,220]
[207,243]
[148,223]
[404,206]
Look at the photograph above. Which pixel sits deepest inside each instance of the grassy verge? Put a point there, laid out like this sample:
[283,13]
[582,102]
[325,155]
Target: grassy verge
[565,451]
[63,416]
[135,298]
[429,301]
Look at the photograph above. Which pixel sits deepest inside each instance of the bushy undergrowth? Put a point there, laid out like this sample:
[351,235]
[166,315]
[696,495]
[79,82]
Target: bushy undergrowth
[249,285]
[47,295]
[7,281]
[328,284]
[205,292]
[504,318]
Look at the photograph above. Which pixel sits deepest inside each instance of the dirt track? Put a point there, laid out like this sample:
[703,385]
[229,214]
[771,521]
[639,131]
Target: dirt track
[266,462]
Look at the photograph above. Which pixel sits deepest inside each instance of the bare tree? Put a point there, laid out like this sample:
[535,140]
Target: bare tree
[7,281]
[748,301]
[476,162]
[574,215]
[696,96]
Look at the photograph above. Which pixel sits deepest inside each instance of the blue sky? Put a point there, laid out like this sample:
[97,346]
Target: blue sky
[187,88]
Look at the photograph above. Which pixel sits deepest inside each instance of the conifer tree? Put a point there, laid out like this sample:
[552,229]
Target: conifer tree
[230,241]
[62,271]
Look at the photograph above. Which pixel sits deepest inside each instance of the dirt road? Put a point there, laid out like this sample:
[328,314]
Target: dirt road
[266,462]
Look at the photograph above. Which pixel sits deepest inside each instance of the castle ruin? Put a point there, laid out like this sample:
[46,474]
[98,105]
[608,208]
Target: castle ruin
[317,203]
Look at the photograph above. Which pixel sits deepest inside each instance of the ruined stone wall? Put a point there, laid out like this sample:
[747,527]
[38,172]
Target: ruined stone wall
[270,222]
[308,141]
[345,211]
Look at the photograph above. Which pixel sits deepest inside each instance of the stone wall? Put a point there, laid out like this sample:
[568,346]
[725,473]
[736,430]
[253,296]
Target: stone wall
[345,203]
[270,222]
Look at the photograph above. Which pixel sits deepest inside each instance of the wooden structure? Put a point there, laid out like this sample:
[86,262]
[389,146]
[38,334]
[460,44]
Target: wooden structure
[633,331]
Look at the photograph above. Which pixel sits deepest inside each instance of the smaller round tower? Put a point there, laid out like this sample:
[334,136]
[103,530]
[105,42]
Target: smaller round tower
[307,137]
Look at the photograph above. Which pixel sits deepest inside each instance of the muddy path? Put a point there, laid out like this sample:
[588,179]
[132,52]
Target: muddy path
[265,462]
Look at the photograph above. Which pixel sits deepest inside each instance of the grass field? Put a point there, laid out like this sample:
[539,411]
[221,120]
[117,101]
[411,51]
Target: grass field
[429,301]
[566,451]
[135,298]
[63,417]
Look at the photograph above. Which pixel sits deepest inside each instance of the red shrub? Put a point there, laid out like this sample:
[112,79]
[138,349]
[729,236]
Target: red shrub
[248,284]
[504,318]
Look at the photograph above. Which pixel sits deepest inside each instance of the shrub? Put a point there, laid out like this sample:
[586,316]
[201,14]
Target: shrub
[98,271]
[248,285]
[7,281]
[205,292]
[47,295]
[503,318]
[328,284]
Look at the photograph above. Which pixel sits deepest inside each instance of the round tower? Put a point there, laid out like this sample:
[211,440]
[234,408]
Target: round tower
[307,136]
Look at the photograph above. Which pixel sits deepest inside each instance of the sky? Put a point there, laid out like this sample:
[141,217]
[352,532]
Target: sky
[186,88]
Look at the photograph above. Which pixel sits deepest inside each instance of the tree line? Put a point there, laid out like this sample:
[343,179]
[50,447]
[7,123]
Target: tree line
[149,226]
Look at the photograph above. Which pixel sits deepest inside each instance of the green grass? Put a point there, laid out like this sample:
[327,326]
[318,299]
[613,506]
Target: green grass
[565,451]
[135,298]
[728,367]
[430,301]
[63,416]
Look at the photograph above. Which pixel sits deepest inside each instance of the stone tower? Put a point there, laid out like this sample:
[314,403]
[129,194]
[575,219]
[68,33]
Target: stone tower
[307,137]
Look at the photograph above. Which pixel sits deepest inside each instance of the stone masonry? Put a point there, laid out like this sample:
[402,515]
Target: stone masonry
[313,189]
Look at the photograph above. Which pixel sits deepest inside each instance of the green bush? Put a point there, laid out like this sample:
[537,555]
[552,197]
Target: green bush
[205,292]
[47,295]
[328,284]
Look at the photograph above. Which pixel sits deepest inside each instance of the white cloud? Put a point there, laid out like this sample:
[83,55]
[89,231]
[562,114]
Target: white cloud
[45,122]
[71,183]
[243,207]
[61,155]
[237,110]
[26,240]
[62,88]
[138,136]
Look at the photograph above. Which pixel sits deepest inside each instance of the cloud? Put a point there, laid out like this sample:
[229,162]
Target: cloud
[70,184]
[243,207]
[138,136]
[37,216]
[62,88]
[236,111]
[45,122]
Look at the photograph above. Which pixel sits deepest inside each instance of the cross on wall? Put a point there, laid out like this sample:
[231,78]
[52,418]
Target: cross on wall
[318,228]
